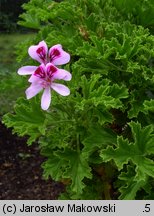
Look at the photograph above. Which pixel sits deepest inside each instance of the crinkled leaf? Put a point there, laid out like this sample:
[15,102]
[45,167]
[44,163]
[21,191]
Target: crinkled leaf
[112,70]
[68,164]
[77,170]
[28,119]
[103,116]
[149,105]
[98,139]
[100,92]
[31,21]
[136,151]
[129,186]
[54,167]
[136,107]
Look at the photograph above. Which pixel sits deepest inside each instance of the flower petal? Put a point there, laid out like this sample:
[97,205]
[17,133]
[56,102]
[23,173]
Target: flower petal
[46,98]
[39,52]
[34,79]
[26,70]
[40,71]
[58,56]
[61,89]
[33,90]
[62,74]
[51,70]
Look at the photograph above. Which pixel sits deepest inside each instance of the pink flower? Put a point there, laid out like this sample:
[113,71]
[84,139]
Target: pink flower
[43,78]
[56,55]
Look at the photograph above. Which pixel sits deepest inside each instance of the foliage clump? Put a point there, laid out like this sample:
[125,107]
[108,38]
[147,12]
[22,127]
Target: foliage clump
[99,141]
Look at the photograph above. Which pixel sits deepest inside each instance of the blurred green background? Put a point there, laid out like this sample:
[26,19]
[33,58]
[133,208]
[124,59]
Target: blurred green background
[8,70]
[11,35]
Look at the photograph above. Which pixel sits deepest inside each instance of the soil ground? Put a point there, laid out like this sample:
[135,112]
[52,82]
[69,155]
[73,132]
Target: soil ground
[20,171]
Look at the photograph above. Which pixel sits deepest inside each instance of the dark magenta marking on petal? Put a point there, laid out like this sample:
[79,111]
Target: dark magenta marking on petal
[54,54]
[41,53]
[40,72]
[51,70]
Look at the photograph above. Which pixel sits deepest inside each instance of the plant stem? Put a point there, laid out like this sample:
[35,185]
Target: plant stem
[107,191]
[103,173]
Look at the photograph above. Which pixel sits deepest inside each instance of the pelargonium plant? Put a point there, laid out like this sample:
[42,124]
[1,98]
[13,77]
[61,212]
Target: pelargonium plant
[98,141]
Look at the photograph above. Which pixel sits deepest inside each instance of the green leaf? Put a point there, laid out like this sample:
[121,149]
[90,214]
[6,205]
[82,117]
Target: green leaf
[129,186]
[149,105]
[137,151]
[136,107]
[77,170]
[54,167]
[101,93]
[103,116]
[28,119]
[68,164]
[31,21]
[143,138]
[120,155]
[111,48]
[98,139]
[118,91]
[141,14]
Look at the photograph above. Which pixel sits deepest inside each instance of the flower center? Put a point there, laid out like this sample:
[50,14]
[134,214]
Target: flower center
[46,83]
[46,75]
